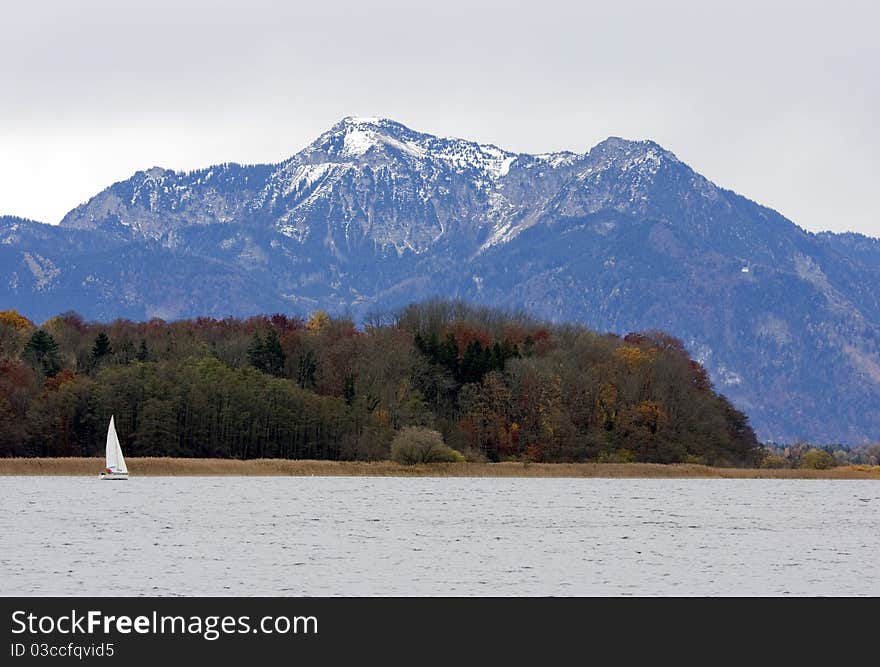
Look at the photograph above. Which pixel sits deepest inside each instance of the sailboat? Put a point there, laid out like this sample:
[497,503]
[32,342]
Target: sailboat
[115,465]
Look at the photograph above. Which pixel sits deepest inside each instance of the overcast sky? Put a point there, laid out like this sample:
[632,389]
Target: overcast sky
[776,100]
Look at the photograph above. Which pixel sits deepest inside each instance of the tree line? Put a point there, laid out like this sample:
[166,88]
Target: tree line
[496,385]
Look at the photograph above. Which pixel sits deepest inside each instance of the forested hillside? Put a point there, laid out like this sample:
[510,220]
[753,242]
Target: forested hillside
[498,386]
[373,215]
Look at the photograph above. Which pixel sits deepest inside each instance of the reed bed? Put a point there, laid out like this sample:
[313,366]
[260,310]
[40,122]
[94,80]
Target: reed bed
[166,466]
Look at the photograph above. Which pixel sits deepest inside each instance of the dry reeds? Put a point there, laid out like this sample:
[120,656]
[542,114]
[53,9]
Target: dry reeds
[161,466]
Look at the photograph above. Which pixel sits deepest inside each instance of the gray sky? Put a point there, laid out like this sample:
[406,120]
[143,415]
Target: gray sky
[776,100]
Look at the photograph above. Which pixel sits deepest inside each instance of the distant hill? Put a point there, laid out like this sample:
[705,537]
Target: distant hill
[373,215]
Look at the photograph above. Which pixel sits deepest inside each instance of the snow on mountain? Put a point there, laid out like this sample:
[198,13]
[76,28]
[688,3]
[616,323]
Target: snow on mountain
[368,180]
[373,215]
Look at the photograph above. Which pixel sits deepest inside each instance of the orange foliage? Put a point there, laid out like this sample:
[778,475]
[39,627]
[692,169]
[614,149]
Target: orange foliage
[607,396]
[62,378]
[381,417]
[647,417]
[633,357]
[534,452]
[318,320]
[514,332]
[15,320]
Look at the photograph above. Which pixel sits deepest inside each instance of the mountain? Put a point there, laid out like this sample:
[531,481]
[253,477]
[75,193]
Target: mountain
[857,247]
[373,215]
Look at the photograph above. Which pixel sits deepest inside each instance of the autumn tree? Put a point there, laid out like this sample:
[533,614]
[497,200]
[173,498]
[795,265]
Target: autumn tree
[497,385]
[318,320]
[13,330]
[642,429]
[18,388]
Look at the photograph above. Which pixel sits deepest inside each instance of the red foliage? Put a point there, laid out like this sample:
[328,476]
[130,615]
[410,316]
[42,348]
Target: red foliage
[14,374]
[17,382]
[469,431]
[465,333]
[282,323]
[540,334]
[514,332]
[542,341]
[62,378]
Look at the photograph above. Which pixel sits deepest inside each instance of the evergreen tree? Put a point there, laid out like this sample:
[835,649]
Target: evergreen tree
[41,351]
[143,354]
[273,355]
[447,353]
[475,363]
[100,350]
[267,355]
[256,352]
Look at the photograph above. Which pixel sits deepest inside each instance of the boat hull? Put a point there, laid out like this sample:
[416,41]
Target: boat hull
[113,475]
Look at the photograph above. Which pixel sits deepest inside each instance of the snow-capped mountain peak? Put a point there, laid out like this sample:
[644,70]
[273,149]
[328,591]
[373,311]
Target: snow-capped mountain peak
[357,138]
[625,154]
[373,214]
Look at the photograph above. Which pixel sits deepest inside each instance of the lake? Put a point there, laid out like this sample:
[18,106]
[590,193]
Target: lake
[367,536]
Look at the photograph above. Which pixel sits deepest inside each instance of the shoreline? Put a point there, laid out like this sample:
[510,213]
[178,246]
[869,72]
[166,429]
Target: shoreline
[176,467]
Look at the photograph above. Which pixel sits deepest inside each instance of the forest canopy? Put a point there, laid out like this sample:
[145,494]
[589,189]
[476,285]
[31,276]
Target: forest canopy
[497,386]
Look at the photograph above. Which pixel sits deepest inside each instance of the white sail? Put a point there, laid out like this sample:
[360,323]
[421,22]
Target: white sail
[115,461]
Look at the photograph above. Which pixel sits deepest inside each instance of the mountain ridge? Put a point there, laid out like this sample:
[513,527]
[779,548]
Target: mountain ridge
[372,215]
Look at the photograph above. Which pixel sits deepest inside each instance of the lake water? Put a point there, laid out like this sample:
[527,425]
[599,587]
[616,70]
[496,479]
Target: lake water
[438,536]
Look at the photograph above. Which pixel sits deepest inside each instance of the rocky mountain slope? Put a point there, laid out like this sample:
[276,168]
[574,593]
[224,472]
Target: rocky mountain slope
[373,215]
